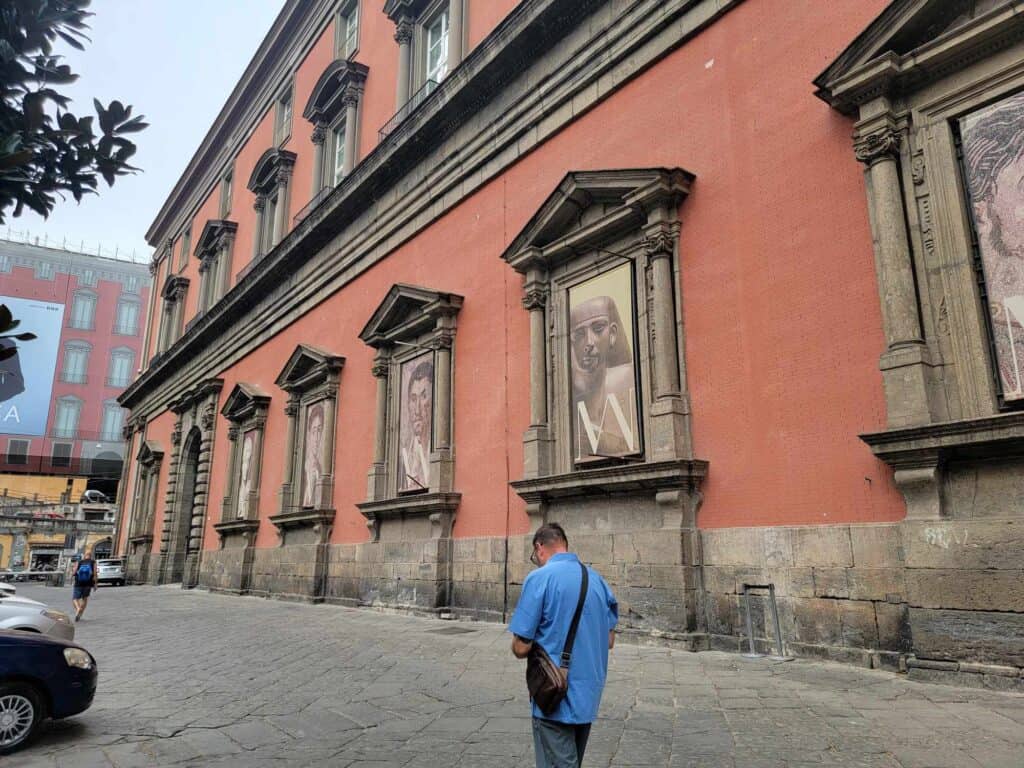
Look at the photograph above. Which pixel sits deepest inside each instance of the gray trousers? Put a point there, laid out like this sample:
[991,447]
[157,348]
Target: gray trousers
[559,745]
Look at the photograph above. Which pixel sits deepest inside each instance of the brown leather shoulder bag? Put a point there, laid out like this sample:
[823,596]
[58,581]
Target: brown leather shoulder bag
[547,682]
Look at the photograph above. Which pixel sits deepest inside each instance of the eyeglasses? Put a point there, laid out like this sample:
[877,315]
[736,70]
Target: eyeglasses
[533,557]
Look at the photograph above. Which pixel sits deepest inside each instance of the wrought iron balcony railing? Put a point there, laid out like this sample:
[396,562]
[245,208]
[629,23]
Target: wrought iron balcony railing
[308,208]
[71,377]
[408,108]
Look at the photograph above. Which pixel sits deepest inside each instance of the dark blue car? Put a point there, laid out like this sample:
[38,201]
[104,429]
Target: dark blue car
[40,677]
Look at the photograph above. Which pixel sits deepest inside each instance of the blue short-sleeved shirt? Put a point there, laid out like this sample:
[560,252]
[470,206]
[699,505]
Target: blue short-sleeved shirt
[543,615]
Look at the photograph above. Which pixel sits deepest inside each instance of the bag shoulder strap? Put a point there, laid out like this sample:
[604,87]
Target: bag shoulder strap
[571,638]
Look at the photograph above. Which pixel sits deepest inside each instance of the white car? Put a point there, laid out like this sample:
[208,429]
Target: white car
[33,616]
[7,590]
[110,572]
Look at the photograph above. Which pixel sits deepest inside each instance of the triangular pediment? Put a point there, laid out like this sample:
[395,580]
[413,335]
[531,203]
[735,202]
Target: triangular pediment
[591,207]
[308,366]
[407,311]
[243,399]
[913,41]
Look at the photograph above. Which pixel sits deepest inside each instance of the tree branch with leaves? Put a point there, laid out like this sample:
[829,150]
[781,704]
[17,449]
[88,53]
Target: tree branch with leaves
[46,151]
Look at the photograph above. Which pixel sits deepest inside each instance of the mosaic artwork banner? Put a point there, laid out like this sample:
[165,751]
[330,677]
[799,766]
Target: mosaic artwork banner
[416,422]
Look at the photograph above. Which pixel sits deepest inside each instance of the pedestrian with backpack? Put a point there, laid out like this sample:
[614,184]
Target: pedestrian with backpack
[85,582]
[564,626]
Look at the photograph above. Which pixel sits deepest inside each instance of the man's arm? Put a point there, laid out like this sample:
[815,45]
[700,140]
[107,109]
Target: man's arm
[521,647]
[611,639]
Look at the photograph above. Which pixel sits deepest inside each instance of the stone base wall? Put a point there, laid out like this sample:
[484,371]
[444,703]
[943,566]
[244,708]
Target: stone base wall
[410,575]
[137,568]
[288,572]
[226,570]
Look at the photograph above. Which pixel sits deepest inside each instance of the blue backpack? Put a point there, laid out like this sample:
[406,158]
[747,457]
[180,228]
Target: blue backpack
[84,573]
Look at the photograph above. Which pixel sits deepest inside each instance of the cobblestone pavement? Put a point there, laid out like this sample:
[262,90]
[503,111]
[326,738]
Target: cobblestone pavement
[190,678]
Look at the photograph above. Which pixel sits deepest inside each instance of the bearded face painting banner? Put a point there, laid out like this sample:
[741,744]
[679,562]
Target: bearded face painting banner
[416,423]
[312,455]
[993,151]
[26,379]
[602,316]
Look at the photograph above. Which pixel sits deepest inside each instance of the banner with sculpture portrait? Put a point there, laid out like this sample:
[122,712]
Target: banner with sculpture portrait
[26,375]
[602,343]
[246,473]
[993,155]
[415,422]
[312,454]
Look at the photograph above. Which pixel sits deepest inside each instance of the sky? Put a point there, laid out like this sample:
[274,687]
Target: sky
[174,61]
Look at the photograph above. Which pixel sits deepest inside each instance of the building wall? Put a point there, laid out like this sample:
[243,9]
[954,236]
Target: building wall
[782,329]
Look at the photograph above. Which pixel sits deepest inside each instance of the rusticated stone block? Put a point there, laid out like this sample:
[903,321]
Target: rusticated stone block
[966,544]
[858,619]
[719,579]
[593,548]
[831,582]
[876,584]
[795,582]
[983,636]
[778,547]
[823,546]
[817,622]
[967,590]
[732,546]
[876,546]
[893,627]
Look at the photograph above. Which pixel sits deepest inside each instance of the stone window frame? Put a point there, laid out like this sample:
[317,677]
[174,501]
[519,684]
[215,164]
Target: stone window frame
[123,353]
[593,222]
[227,190]
[89,323]
[246,410]
[335,102]
[45,271]
[410,18]
[341,19]
[147,479]
[905,81]
[172,316]
[119,328]
[284,114]
[409,321]
[67,433]
[112,435]
[310,376]
[61,461]
[22,456]
[185,246]
[271,181]
[215,252]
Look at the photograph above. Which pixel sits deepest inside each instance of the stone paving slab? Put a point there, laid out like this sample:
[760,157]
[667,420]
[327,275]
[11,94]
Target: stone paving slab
[194,679]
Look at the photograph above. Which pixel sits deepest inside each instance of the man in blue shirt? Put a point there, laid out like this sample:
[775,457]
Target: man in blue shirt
[545,610]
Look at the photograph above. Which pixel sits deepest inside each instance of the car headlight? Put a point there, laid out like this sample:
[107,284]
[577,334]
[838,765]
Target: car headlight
[76,657]
[60,616]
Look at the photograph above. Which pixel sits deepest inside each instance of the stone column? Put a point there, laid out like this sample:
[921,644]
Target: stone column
[281,212]
[325,494]
[149,512]
[660,246]
[172,480]
[456,33]
[351,101]
[536,441]
[208,421]
[403,36]
[204,284]
[256,470]
[905,363]
[227,511]
[257,238]
[443,393]
[147,338]
[377,480]
[291,410]
[319,135]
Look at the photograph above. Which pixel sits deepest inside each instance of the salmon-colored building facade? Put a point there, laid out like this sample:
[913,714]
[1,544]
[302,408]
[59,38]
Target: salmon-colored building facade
[443,271]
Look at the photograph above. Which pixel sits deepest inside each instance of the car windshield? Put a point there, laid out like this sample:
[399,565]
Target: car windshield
[110,562]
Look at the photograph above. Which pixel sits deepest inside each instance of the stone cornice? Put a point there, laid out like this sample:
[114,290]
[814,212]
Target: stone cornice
[340,80]
[264,173]
[406,312]
[283,286]
[621,478]
[989,436]
[216,233]
[412,505]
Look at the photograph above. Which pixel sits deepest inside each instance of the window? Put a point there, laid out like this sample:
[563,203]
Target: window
[436,36]
[83,310]
[347,30]
[60,455]
[44,270]
[17,451]
[338,137]
[120,372]
[226,189]
[283,118]
[89,277]
[113,420]
[76,363]
[186,246]
[68,411]
[5,263]
[127,322]
[131,284]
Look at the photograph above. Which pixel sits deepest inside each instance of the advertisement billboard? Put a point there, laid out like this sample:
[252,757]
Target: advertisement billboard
[26,379]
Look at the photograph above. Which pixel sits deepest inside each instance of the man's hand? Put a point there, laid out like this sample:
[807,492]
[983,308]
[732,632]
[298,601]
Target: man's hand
[520,647]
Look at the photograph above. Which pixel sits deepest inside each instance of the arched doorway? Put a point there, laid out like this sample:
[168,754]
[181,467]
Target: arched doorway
[185,492]
[105,473]
[102,549]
